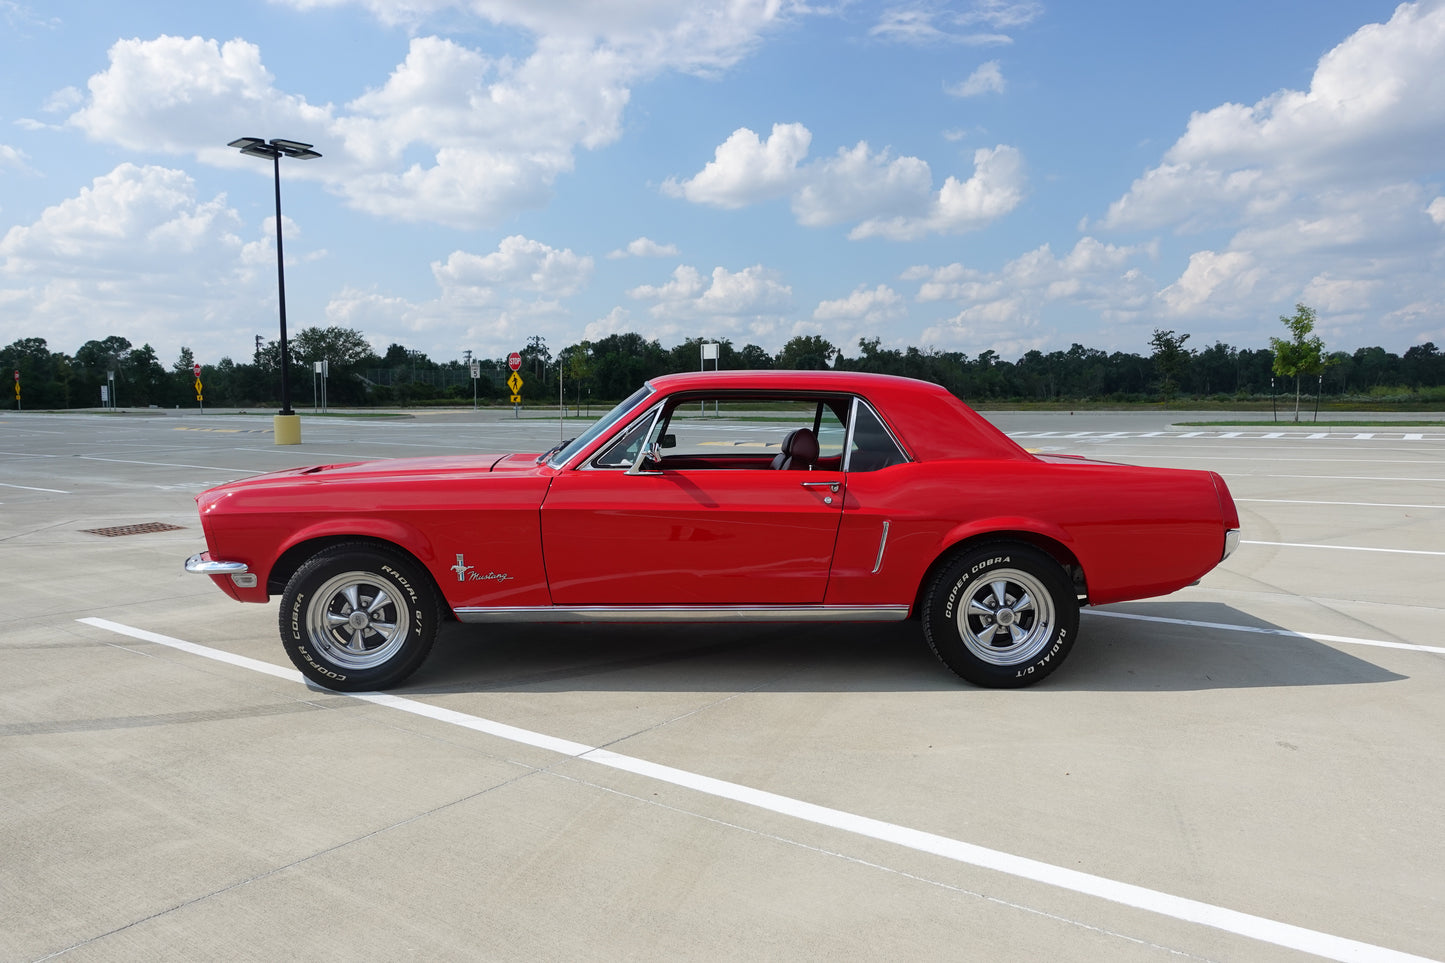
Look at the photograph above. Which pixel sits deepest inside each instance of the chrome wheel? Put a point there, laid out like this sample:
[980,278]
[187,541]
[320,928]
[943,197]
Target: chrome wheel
[1008,617]
[355,621]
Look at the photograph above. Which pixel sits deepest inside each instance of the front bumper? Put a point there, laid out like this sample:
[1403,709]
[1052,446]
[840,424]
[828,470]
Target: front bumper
[202,564]
[238,573]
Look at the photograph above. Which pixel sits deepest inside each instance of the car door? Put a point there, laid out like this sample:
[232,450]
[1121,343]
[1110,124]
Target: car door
[711,523]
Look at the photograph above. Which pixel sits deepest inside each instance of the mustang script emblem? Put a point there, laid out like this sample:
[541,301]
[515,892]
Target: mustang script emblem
[467,573]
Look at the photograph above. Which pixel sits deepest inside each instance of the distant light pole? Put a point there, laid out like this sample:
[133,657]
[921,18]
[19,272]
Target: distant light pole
[288,432]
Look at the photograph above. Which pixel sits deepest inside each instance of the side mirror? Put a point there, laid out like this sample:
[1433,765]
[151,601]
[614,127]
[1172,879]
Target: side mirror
[667,441]
[650,455]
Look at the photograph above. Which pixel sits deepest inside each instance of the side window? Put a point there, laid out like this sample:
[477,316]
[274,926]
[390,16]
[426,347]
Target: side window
[871,446]
[727,431]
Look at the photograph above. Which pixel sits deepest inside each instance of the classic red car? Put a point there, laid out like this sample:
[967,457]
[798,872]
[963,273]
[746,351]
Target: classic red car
[721,496]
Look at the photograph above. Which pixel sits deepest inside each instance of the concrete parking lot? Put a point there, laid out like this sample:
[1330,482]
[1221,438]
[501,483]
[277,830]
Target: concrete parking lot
[1250,769]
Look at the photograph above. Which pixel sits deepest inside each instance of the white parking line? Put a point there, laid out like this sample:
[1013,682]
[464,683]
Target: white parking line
[1302,501]
[166,464]
[1259,630]
[1346,548]
[1389,478]
[1164,904]
[29,489]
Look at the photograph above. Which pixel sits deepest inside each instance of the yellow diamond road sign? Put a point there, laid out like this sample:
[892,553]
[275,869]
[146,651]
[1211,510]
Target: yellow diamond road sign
[515,383]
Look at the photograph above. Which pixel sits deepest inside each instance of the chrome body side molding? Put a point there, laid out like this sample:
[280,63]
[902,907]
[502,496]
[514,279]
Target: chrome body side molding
[882,544]
[685,613]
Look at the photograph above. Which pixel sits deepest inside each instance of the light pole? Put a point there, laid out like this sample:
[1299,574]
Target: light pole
[287,423]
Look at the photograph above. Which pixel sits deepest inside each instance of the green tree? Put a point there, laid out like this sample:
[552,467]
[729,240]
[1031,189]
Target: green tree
[148,382]
[183,381]
[576,362]
[754,358]
[537,360]
[1170,360]
[806,352]
[1301,355]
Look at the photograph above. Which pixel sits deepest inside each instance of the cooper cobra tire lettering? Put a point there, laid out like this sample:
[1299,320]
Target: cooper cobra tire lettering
[1001,615]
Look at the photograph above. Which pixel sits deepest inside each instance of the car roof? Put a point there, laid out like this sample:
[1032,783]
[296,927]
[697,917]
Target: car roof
[775,378]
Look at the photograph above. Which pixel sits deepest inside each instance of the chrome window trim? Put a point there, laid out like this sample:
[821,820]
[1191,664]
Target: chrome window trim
[649,416]
[585,442]
[858,401]
[685,613]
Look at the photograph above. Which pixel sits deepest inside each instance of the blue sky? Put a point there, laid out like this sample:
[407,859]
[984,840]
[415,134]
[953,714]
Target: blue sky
[971,176]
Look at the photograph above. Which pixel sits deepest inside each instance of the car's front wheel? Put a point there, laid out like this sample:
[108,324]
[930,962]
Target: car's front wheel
[1001,615]
[356,618]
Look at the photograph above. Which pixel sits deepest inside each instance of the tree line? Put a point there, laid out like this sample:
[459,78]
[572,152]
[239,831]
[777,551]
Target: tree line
[610,368]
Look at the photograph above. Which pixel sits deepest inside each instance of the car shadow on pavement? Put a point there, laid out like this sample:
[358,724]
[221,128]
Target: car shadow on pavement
[1111,654]
[1158,650]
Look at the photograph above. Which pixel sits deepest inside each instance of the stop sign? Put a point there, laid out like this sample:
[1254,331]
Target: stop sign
[514,361]
[197,369]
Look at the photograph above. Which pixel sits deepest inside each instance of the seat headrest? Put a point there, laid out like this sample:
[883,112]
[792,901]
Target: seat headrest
[801,444]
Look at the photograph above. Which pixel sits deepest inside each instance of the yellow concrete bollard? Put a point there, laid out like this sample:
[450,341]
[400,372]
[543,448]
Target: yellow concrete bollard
[287,428]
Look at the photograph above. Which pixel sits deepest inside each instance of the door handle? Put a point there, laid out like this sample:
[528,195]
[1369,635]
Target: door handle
[832,486]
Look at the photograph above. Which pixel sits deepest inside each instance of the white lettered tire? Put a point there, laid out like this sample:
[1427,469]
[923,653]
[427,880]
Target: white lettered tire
[1001,615]
[358,618]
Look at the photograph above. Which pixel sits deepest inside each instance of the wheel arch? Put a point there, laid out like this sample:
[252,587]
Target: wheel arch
[297,555]
[1053,547]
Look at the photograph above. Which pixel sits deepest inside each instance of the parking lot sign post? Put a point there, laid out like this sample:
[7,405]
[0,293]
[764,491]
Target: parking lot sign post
[514,361]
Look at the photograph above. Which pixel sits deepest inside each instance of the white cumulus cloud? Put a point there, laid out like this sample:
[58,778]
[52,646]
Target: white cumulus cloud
[987,79]
[884,195]
[644,247]
[746,169]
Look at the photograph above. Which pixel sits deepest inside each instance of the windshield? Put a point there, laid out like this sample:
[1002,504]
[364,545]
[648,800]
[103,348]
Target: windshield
[599,426]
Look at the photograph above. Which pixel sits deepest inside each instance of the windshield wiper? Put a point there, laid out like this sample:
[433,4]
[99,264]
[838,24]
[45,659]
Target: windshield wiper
[553,450]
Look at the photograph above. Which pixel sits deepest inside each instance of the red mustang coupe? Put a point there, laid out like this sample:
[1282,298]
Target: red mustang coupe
[724,496]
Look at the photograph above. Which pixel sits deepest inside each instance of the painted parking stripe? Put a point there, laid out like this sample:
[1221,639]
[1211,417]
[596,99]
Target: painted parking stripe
[166,464]
[1261,630]
[1303,501]
[1127,894]
[1346,548]
[54,491]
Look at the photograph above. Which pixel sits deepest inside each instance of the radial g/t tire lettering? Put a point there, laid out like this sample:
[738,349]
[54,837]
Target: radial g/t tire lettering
[1001,615]
[357,618]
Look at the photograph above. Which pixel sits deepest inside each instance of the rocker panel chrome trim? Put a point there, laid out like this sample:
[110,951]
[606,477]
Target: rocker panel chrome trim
[685,613]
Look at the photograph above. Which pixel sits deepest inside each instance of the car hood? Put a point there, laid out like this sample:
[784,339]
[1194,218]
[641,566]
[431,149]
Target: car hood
[391,470]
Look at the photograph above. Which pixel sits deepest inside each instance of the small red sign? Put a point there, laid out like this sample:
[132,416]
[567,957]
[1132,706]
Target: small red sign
[514,361]
[197,368]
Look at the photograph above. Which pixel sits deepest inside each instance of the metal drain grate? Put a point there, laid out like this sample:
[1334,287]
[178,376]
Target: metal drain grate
[144,528]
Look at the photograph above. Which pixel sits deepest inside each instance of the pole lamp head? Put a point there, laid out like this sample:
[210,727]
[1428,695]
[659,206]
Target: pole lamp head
[256,147]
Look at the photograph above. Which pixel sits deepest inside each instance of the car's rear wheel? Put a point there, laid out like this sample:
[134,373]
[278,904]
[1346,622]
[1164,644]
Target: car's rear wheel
[1001,615]
[358,618]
